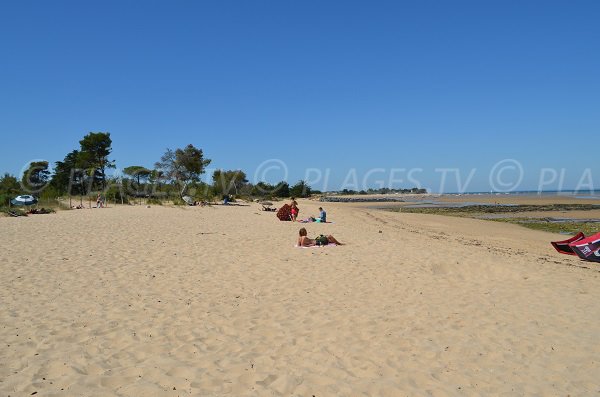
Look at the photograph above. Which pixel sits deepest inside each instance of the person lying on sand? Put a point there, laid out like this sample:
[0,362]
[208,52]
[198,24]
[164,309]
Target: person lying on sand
[305,241]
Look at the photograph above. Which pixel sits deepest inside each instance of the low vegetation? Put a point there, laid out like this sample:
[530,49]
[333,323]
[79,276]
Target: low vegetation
[545,224]
[12,211]
[573,227]
[82,175]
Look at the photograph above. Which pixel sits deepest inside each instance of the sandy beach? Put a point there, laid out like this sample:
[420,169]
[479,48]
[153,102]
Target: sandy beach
[218,301]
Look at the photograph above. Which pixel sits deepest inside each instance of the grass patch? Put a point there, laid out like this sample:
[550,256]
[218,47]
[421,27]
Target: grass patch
[555,227]
[178,201]
[154,201]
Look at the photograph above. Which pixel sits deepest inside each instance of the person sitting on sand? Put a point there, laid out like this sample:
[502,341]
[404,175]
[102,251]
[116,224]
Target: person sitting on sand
[322,215]
[305,241]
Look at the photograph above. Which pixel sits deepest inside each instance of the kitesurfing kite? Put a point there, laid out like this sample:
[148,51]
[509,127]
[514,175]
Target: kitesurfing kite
[587,248]
[563,246]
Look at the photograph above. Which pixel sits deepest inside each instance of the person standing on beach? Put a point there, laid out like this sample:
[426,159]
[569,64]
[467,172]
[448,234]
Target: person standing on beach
[99,201]
[295,209]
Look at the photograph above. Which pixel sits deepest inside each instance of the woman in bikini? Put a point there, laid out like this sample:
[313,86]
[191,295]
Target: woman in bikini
[295,209]
[305,241]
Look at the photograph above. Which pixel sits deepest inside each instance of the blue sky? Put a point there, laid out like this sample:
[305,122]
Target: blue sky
[343,87]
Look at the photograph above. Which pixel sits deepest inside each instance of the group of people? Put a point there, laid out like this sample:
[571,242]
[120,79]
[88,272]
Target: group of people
[303,239]
[295,211]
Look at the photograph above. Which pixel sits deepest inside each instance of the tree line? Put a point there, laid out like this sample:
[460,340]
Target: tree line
[384,190]
[83,171]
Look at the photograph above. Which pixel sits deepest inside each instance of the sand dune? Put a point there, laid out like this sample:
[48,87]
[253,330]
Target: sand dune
[215,301]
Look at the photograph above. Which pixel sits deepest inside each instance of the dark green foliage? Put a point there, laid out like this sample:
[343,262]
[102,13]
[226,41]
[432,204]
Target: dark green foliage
[300,189]
[263,189]
[282,189]
[201,191]
[137,185]
[93,157]
[183,166]
[228,182]
[192,163]
[266,190]
[9,188]
[69,178]
[83,170]
[116,193]
[138,173]
[49,193]
[35,177]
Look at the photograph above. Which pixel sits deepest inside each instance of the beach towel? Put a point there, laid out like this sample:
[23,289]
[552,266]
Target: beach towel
[312,220]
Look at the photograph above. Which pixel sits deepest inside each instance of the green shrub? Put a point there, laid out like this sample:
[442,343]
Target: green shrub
[49,193]
[154,201]
[116,194]
[178,201]
[4,199]
[14,210]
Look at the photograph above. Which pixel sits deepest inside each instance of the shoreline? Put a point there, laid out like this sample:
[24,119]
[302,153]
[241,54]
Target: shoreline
[559,214]
[473,198]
